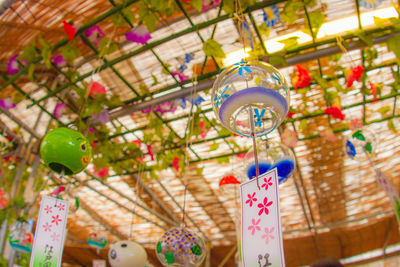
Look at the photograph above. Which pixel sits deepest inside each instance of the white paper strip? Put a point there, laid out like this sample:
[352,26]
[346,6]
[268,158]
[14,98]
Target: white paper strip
[48,242]
[261,233]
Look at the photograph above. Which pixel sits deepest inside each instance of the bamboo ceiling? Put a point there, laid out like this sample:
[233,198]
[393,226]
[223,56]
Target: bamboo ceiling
[332,205]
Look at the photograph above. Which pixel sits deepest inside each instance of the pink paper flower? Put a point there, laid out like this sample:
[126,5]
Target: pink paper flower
[7,103]
[59,60]
[289,138]
[175,163]
[182,77]
[267,183]
[56,219]
[103,172]
[138,35]
[165,107]
[47,227]
[207,4]
[264,206]
[12,66]
[58,191]
[147,110]
[355,124]
[96,89]
[59,110]
[254,227]
[94,34]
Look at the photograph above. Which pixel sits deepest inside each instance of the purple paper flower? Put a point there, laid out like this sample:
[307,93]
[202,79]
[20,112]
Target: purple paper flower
[138,35]
[165,107]
[103,117]
[59,60]
[147,110]
[182,77]
[59,110]
[7,103]
[94,34]
[12,66]
[91,129]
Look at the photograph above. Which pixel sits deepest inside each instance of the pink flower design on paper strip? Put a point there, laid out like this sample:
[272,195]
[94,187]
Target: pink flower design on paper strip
[61,207]
[56,219]
[254,227]
[47,227]
[251,199]
[267,183]
[48,209]
[268,234]
[264,206]
[55,237]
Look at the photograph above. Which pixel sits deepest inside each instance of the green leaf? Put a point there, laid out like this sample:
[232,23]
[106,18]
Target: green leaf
[264,30]
[212,48]
[147,15]
[393,45]
[223,160]
[45,52]
[358,135]
[164,69]
[368,147]
[391,126]
[316,20]
[228,6]
[303,125]
[367,39]
[384,110]
[197,4]
[379,22]
[290,42]
[143,89]
[153,175]
[70,52]
[107,46]
[199,171]
[289,12]
[77,203]
[224,132]
[28,54]
[31,71]
[214,147]
[277,61]
[329,97]
[118,19]
[114,101]
[155,81]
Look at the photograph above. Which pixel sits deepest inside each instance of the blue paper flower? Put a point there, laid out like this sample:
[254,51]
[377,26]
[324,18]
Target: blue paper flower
[271,16]
[370,4]
[350,149]
[182,67]
[242,66]
[188,57]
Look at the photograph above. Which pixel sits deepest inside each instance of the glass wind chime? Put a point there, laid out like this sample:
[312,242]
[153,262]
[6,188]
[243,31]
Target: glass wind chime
[251,99]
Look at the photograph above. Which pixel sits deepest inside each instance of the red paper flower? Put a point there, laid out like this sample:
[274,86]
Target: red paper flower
[229,179]
[303,78]
[175,163]
[70,29]
[103,172]
[96,89]
[335,112]
[204,129]
[290,114]
[372,89]
[355,75]
[150,152]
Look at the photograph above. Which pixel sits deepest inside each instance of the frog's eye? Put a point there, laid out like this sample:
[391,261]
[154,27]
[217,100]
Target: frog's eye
[83,147]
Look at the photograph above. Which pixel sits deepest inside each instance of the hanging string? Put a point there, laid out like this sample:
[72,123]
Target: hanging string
[138,181]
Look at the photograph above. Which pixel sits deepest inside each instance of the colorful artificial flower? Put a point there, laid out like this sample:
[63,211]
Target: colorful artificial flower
[7,103]
[165,107]
[335,112]
[150,152]
[207,4]
[373,92]
[96,89]
[271,16]
[204,130]
[138,35]
[328,134]
[290,114]
[59,60]
[350,149]
[94,34]
[188,57]
[103,172]
[12,66]
[229,179]
[59,110]
[175,163]
[355,75]
[69,29]
[3,200]
[147,110]
[289,138]
[58,191]
[303,78]
[182,77]
[102,117]
[241,155]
